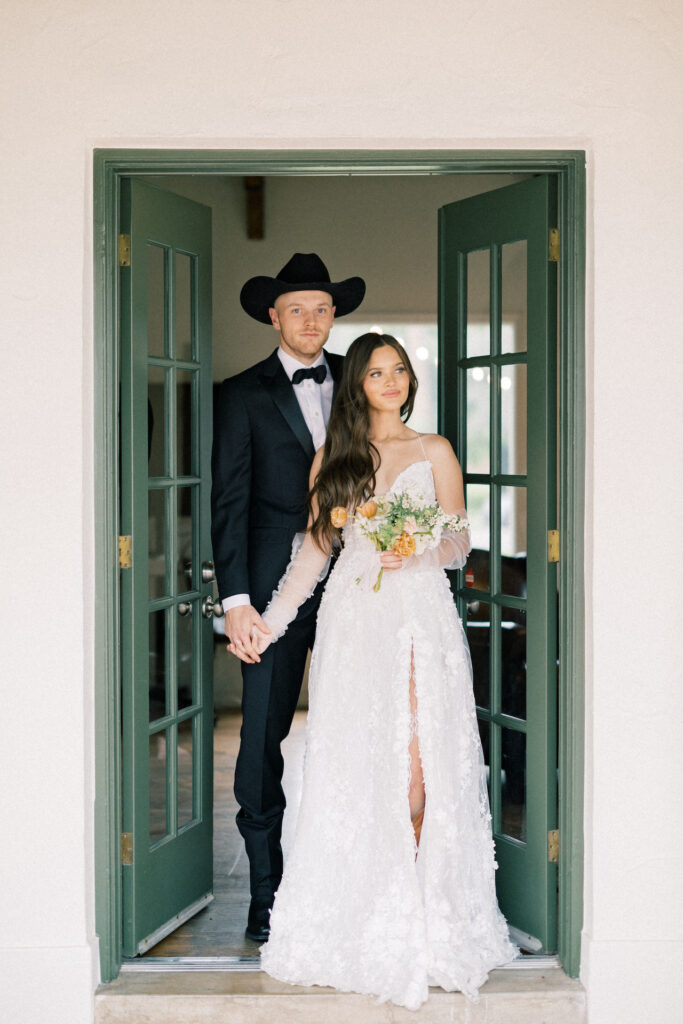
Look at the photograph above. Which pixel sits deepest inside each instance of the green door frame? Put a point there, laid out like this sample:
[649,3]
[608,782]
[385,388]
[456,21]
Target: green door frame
[109,166]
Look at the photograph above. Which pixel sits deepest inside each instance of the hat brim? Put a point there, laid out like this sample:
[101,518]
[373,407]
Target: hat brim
[259,294]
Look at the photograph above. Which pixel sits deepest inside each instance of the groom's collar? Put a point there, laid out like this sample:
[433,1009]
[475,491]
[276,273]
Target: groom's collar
[291,364]
[272,366]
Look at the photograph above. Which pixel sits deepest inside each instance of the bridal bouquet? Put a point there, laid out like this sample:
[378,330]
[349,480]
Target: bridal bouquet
[402,524]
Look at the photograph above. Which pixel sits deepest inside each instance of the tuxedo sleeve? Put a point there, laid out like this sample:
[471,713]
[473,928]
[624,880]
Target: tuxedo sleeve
[231,466]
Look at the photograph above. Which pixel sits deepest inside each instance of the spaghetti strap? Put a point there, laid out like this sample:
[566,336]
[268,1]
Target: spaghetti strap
[419,437]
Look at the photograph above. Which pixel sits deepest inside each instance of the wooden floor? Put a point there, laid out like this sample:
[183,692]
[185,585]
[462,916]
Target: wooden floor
[219,929]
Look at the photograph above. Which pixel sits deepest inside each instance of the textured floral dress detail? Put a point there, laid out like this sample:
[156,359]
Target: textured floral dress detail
[356,908]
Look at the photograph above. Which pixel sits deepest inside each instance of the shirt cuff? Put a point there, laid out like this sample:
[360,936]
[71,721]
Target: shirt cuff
[236,601]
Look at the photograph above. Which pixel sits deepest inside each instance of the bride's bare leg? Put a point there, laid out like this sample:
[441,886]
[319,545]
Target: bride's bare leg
[416,792]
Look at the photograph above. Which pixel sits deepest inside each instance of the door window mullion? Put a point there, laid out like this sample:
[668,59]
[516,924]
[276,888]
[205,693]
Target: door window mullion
[173,548]
[495,672]
[172,778]
[509,722]
[509,600]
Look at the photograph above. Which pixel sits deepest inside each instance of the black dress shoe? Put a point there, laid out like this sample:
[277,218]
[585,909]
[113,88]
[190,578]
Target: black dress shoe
[258,922]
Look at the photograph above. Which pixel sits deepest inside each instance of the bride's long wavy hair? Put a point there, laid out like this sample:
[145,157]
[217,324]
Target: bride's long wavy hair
[347,473]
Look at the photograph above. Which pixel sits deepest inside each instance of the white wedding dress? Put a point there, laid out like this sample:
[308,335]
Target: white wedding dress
[356,909]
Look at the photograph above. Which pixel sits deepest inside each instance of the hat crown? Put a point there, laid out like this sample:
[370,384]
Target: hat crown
[305,271]
[303,268]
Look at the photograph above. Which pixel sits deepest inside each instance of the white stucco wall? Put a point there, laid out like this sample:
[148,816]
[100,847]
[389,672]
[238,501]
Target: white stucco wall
[604,76]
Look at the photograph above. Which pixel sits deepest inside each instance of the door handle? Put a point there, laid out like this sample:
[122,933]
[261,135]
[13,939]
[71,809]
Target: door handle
[184,609]
[208,572]
[211,607]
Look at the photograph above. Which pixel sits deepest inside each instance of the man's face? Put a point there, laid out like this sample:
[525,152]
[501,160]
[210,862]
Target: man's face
[304,320]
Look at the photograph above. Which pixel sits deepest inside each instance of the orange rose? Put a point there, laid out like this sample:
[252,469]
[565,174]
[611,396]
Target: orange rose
[368,510]
[405,545]
[338,516]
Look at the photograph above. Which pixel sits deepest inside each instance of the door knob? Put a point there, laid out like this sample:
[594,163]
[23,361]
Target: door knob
[208,573]
[184,609]
[211,607]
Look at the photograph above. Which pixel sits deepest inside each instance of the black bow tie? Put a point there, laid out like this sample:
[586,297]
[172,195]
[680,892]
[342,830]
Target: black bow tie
[316,373]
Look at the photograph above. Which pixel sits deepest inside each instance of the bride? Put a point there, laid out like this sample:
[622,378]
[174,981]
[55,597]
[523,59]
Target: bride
[389,886]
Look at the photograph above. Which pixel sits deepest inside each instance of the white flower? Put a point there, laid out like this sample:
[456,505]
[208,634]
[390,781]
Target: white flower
[422,542]
[410,525]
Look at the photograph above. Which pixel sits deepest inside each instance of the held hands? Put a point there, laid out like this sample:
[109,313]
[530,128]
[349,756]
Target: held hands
[247,632]
[260,640]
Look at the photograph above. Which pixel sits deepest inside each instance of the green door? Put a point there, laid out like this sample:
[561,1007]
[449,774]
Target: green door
[498,355]
[166,593]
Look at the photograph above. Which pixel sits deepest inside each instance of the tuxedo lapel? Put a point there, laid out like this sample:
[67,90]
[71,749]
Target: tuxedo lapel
[281,391]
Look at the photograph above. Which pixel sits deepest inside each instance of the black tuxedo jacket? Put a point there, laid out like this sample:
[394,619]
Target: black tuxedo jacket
[262,455]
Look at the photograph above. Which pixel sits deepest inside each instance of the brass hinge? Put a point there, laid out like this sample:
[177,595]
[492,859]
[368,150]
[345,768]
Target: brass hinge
[126,848]
[124,250]
[554,245]
[554,845]
[125,552]
[553,545]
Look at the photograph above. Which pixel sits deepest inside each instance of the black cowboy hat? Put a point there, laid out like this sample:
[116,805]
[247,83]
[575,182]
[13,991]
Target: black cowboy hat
[305,272]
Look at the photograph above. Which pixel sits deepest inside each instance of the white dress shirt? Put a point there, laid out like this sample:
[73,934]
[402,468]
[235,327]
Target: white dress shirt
[315,402]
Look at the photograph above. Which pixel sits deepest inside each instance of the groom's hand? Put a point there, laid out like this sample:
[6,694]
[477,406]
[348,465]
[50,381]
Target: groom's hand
[239,624]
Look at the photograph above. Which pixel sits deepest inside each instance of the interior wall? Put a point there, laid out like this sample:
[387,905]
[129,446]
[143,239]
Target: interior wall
[381,229]
[602,76]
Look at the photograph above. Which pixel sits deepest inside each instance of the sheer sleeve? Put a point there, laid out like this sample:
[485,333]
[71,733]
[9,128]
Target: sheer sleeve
[450,553]
[308,566]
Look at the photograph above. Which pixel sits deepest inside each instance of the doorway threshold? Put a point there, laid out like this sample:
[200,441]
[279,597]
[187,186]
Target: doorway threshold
[166,964]
[212,994]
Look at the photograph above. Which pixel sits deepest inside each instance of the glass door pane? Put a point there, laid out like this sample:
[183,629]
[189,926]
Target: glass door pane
[478,419]
[157,289]
[158,786]
[513,419]
[513,296]
[478,303]
[185,306]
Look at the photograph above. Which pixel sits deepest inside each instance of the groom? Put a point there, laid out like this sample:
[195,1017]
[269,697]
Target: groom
[269,422]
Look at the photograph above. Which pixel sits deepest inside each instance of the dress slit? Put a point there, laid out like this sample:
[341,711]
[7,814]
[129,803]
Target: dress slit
[416,788]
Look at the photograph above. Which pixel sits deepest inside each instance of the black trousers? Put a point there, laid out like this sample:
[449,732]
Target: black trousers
[269,697]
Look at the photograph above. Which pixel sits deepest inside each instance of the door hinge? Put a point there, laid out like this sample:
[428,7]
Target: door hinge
[125,552]
[126,848]
[553,545]
[554,845]
[124,250]
[554,245]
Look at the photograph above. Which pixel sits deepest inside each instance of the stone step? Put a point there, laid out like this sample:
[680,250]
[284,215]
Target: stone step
[525,996]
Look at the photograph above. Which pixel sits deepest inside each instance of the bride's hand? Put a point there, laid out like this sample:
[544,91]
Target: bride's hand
[260,640]
[390,560]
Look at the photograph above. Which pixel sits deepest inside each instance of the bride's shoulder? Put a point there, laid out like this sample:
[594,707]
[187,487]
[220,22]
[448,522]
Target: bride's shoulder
[445,466]
[438,448]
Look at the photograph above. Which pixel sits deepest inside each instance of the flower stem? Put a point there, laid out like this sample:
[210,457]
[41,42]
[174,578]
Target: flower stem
[378,584]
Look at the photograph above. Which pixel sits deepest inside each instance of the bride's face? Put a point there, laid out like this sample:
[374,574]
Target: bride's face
[386,382]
